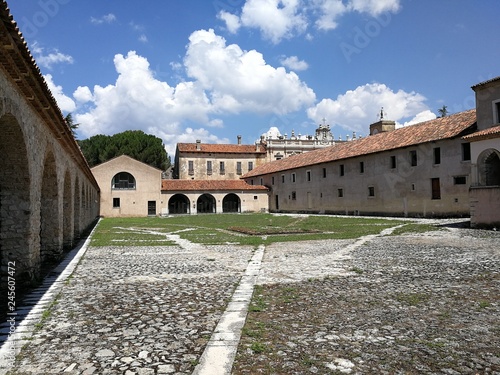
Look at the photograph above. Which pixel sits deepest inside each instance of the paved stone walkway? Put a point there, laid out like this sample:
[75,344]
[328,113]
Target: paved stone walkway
[165,310]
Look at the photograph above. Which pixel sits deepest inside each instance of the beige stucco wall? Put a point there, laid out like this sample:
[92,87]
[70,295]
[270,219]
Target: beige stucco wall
[485,96]
[405,190]
[251,201]
[230,163]
[132,202]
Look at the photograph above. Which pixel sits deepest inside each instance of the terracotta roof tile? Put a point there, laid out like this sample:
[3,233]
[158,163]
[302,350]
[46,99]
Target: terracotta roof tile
[493,132]
[221,148]
[433,130]
[208,185]
[485,82]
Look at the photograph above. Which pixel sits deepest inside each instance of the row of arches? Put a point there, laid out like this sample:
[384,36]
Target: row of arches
[205,203]
[45,202]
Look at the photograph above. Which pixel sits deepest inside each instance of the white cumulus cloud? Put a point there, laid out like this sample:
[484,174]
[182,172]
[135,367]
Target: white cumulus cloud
[65,103]
[293,63]
[357,109]
[284,19]
[242,80]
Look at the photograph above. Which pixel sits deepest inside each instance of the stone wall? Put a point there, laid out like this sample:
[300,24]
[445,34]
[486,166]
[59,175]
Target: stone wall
[47,196]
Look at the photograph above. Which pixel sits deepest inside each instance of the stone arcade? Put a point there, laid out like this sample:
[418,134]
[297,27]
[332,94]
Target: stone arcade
[48,195]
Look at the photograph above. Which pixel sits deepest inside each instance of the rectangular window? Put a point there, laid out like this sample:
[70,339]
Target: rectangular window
[496,112]
[413,158]
[261,181]
[250,165]
[293,177]
[251,181]
[294,195]
[282,178]
[436,188]
[393,162]
[209,167]
[255,197]
[371,191]
[272,180]
[308,175]
[341,169]
[238,167]
[340,193]
[361,167]
[190,167]
[116,202]
[437,155]
[465,151]
[222,168]
[460,180]
[324,172]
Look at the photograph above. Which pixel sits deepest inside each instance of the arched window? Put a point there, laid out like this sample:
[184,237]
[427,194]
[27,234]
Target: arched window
[123,180]
[489,168]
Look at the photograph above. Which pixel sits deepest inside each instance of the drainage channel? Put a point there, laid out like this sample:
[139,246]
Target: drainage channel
[219,354]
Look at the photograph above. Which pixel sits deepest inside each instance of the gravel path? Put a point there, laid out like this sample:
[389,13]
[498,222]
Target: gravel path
[389,305]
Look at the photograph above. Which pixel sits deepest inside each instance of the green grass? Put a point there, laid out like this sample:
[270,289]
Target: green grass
[243,229]
[414,228]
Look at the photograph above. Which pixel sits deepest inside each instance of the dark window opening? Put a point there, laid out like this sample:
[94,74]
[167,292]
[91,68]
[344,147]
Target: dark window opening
[340,193]
[393,162]
[466,152]
[250,165]
[209,167]
[190,167]
[413,158]
[371,191]
[308,173]
[238,167]
[361,167]
[123,180]
[460,180]
[341,171]
[116,202]
[324,172]
[437,155]
[294,195]
[222,168]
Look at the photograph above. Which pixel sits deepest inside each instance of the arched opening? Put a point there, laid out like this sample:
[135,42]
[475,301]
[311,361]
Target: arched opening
[489,168]
[67,213]
[123,181]
[50,244]
[205,204]
[231,203]
[178,204]
[16,234]
[76,204]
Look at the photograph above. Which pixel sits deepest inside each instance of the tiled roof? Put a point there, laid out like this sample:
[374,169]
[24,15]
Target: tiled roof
[20,66]
[433,130]
[221,148]
[208,185]
[486,82]
[493,132]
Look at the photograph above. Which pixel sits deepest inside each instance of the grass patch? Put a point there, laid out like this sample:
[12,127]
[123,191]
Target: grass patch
[258,303]
[243,229]
[413,299]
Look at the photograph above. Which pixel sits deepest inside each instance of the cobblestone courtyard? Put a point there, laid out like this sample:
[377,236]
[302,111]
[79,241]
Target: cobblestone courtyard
[409,304]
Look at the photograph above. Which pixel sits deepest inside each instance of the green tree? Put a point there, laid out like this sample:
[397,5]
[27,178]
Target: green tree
[71,124]
[135,143]
[443,111]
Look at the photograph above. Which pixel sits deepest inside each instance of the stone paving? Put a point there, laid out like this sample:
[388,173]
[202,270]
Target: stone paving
[387,304]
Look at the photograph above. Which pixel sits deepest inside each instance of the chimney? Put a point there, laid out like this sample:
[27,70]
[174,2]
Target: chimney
[239,139]
[198,145]
[257,146]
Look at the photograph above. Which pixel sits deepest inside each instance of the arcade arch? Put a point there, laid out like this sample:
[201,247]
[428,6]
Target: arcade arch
[178,204]
[231,203]
[206,204]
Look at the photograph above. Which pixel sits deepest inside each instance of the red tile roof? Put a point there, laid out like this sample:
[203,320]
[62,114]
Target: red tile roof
[433,130]
[208,185]
[221,148]
[485,82]
[493,132]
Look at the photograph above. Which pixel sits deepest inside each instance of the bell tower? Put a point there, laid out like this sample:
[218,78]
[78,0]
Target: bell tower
[382,125]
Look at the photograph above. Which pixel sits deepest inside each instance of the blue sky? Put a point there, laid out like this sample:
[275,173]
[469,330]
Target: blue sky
[215,69]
